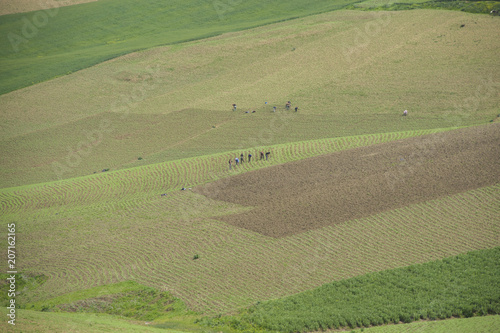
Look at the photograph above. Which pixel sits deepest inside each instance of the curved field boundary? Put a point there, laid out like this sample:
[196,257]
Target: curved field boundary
[152,180]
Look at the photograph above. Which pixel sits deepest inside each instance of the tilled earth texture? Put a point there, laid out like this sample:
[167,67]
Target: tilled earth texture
[331,189]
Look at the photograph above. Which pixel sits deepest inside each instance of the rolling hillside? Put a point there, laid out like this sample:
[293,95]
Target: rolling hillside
[114,165]
[175,102]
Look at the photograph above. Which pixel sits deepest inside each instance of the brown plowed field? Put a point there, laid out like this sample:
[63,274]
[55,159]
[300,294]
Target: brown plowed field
[330,189]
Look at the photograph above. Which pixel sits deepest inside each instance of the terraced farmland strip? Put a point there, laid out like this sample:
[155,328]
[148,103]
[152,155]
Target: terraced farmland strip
[166,177]
[271,267]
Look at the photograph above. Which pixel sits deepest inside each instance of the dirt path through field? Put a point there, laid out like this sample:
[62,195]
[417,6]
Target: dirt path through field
[330,189]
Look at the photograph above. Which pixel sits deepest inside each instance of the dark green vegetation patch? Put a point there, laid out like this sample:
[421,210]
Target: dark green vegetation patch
[461,286]
[127,299]
[23,283]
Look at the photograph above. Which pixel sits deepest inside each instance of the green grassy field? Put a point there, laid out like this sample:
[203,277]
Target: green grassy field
[35,321]
[160,119]
[46,44]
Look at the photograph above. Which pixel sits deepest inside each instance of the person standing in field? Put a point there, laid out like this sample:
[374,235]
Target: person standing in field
[234,107]
[237,160]
[274,109]
[230,164]
[267,155]
[405,113]
[249,158]
[261,156]
[296,108]
[241,158]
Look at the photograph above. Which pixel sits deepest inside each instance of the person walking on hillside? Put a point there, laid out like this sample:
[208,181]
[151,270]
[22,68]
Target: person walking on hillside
[274,109]
[249,158]
[234,107]
[405,113]
[296,108]
[267,155]
[241,158]
[230,164]
[261,156]
[237,160]
[288,104]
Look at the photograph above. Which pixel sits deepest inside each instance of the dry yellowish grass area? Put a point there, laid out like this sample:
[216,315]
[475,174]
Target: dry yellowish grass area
[22,6]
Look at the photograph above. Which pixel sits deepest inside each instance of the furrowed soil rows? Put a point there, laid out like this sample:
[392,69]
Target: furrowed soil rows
[296,197]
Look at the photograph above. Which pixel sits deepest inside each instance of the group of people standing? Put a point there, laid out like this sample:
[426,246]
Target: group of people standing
[241,159]
[288,105]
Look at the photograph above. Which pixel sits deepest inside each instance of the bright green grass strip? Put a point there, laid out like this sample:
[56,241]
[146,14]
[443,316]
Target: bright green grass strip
[128,299]
[461,286]
[23,282]
[42,45]
[488,324]
[33,321]
[122,287]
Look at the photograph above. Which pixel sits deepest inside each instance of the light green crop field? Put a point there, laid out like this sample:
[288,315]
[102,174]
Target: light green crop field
[349,72]
[489,324]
